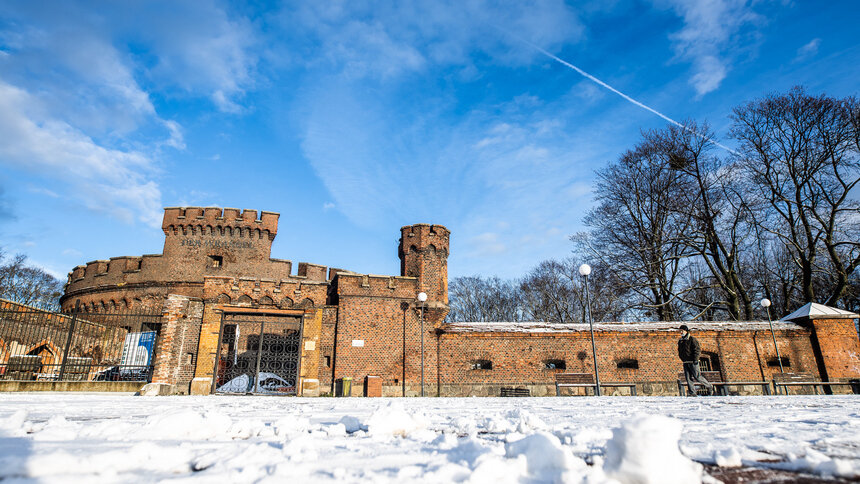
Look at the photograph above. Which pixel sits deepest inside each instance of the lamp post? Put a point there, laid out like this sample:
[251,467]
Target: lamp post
[584,271]
[422,297]
[765,303]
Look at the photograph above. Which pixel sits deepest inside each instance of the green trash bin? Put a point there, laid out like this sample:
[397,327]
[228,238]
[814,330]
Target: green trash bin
[343,387]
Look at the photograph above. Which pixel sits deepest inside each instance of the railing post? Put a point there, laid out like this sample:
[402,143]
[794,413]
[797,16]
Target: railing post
[69,340]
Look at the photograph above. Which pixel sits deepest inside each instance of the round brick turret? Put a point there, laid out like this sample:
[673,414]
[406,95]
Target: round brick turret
[198,242]
[424,254]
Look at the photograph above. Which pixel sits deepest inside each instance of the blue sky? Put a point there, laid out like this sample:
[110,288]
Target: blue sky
[354,118]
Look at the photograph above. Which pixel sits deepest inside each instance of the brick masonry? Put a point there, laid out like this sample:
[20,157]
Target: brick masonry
[176,350]
[216,263]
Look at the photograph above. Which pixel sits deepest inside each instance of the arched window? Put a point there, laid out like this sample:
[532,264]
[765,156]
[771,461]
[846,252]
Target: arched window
[266,301]
[482,365]
[222,299]
[286,302]
[628,364]
[554,365]
[245,300]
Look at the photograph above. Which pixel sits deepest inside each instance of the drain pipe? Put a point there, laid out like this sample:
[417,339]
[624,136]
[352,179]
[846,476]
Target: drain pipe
[757,355]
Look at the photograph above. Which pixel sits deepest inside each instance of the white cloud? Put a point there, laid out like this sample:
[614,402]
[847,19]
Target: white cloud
[328,206]
[707,35]
[176,139]
[710,72]
[195,46]
[104,179]
[808,51]
[78,83]
[386,40]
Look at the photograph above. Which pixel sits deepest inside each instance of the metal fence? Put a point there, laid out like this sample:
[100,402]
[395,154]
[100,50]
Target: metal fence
[76,346]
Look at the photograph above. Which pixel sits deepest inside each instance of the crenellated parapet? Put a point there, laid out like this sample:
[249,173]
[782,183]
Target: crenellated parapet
[115,270]
[295,293]
[224,222]
[424,237]
[370,285]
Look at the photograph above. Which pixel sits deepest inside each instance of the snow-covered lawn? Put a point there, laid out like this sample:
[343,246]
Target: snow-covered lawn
[121,438]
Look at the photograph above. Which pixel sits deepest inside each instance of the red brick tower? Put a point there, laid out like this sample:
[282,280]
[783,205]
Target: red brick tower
[226,237]
[424,254]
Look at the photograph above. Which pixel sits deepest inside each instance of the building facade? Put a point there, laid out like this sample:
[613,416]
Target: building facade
[236,320]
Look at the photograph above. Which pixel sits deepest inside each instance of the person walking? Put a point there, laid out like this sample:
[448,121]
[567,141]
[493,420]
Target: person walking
[689,350]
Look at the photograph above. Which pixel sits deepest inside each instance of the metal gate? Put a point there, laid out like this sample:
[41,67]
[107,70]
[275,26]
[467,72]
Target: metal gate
[258,354]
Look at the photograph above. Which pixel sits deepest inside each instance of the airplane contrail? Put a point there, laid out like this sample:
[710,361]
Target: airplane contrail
[625,96]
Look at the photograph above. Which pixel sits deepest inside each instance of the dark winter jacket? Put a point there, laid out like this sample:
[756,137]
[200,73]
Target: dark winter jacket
[689,348]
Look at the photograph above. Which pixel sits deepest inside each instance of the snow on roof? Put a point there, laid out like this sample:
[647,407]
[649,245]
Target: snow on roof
[819,311]
[668,326]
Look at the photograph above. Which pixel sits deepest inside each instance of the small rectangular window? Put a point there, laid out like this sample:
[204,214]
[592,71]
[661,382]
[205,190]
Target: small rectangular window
[774,362]
[482,365]
[328,361]
[216,261]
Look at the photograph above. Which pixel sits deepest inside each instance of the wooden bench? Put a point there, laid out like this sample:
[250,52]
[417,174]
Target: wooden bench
[715,378]
[515,392]
[786,380]
[586,380]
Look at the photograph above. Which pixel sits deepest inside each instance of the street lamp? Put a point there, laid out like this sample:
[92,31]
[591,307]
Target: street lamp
[765,303]
[422,297]
[584,271]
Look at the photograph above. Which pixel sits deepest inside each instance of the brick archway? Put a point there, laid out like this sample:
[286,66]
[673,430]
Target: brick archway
[47,352]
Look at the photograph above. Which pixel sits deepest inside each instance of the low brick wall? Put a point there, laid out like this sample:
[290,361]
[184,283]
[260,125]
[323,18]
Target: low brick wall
[71,386]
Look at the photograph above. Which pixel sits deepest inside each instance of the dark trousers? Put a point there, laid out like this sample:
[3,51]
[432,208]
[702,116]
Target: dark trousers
[692,374]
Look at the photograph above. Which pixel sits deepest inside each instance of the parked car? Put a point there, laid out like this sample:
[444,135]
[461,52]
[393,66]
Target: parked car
[116,373]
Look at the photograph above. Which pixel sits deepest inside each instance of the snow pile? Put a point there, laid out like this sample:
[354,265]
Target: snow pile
[818,463]
[288,426]
[728,458]
[187,425]
[664,326]
[393,419]
[645,451]
[352,424]
[526,422]
[547,460]
[14,425]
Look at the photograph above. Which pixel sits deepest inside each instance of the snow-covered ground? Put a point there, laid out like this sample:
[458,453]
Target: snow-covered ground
[121,438]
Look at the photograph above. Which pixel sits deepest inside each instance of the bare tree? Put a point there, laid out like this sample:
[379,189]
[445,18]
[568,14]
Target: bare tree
[803,154]
[27,284]
[550,293]
[636,231]
[555,292]
[712,195]
[475,298]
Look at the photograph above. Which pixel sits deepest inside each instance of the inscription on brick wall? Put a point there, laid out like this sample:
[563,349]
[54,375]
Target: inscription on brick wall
[217,244]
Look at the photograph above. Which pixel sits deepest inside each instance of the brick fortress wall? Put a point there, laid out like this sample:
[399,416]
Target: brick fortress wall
[198,242]
[520,359]
[217,262]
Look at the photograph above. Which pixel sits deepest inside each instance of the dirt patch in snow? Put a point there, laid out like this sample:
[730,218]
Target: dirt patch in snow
[757,475]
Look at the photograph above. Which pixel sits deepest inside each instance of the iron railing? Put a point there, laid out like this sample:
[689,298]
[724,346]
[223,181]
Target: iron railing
[76,346]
